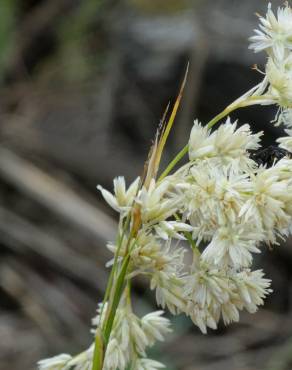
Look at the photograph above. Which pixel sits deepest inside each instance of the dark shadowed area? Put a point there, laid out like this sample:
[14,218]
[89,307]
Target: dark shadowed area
[83,84]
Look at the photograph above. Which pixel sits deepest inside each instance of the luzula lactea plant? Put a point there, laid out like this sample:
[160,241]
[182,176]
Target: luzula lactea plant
[222,202]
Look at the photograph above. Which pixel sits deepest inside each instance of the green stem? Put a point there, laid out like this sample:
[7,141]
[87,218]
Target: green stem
[221,115]
[98,351]
[101,339]
[116,299]
[249,101]
[98,355]
[114,267]
[176,159]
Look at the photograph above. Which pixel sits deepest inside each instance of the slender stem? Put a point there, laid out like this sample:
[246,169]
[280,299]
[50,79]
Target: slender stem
[97,354]
[101,339]
[251,100]
[220,116]
[114,267]
[98,351]
[248,101]
[176,159]
[116,299]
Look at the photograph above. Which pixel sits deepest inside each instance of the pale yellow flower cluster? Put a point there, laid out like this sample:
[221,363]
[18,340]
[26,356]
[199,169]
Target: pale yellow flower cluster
[226,206]
[274,36]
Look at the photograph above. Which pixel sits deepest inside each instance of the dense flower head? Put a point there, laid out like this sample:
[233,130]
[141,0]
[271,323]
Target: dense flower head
[275,37]
[267,202]
[228,144]
[252,288]
[279,76]
[212,292]
[232,245]
[229,206]
[275,33]
[213,196]
[168,291]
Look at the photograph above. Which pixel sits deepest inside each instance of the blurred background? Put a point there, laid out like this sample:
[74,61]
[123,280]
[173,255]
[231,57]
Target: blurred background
[83,84]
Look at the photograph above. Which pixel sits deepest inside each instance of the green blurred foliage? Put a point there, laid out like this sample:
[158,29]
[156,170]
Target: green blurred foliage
[75,54]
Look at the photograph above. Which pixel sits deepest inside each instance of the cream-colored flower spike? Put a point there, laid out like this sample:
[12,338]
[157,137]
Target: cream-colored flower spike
[147,364]
[232,246]
[122,199]
[228,144]
[54,363]
[275,33]
[279,76]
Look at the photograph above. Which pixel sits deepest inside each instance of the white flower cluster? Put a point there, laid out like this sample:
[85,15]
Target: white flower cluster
[223,202]
[275,37]
[152,253]
[233,205]
[229,206]
[204,144]
[127,344]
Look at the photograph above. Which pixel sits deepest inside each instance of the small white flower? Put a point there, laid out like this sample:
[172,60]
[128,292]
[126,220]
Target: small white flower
[83,361]
[146,364]
[232,246]
[155,326]
[229,312]
[123,199]
[284,172]
[98,320]
[168,291]
[285,116]
[265,207]
[252,288]
[201,317]
[275,33]
[172,229]
[228,143]
[201,144]
[114,356]
[205,285]
[54,363]
[285,142]
[213,196]
[208,292]
[139,338]
[279,76]
[155,203]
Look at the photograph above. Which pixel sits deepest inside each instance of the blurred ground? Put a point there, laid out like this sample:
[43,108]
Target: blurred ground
[82,87]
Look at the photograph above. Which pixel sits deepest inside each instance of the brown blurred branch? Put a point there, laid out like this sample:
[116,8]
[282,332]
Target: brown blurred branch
[56,196]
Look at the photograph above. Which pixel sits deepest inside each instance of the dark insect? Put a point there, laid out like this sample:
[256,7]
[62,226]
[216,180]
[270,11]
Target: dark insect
[270,155]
